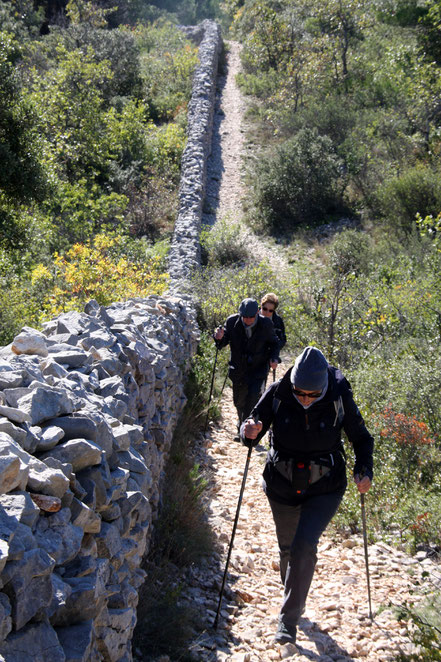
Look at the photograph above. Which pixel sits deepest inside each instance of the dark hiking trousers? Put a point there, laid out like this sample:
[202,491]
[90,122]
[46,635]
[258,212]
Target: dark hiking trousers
[246,395]
[298,530]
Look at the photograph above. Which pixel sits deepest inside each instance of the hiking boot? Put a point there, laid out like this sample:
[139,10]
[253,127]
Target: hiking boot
[285,634]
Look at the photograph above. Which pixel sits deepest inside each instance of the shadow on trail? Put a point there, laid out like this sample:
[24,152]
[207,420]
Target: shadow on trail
[322,642]
[215,162]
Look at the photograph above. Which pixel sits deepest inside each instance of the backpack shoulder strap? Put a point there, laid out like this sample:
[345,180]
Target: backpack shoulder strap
[339,411]
[276,405]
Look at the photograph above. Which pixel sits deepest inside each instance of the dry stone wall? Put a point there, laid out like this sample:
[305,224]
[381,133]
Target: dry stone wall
[185,249]
[88,407]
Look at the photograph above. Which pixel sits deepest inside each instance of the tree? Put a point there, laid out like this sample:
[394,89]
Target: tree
[22,177]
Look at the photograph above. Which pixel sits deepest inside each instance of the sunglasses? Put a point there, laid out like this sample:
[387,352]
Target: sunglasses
[268,310]
[302,394]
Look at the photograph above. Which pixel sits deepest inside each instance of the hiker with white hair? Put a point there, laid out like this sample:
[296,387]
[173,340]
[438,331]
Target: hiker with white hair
[304,477]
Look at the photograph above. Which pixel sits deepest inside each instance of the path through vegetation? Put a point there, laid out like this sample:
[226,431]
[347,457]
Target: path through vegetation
[335,626]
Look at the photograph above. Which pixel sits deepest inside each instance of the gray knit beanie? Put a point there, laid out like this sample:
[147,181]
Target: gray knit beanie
[310,370]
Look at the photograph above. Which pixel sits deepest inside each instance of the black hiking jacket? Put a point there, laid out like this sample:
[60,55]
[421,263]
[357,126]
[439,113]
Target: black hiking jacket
[249,357]
[311,434]
[279,327]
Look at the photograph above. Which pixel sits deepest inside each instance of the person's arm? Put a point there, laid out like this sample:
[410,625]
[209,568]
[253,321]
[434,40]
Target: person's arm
[280,330]
[221,336]
[272,343]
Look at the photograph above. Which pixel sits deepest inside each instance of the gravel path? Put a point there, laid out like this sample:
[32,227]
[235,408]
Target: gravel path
[224,191]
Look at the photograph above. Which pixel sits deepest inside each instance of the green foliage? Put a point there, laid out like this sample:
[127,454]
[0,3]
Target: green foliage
[118,48]
[152,207]
[430,21]
[416,191]
[22,175]
[188,12]
[349,252]
[97,270]
[220,291]
[298,183]
[21,18]
[165,145]
[223,244]
[167,63]
[424,626]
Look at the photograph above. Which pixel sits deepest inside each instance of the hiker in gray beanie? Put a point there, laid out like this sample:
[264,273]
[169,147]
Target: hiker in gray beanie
[304,477]
[254,349]
[310,370]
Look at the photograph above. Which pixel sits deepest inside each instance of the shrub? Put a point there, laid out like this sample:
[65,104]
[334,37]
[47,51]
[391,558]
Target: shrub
[408,443]
[95,270]
[416,191]
[118,48]
[168,60]
[165,145]
[298,183]
[424,625]
[223,244]
[220,291]
[152,207]
[349,252]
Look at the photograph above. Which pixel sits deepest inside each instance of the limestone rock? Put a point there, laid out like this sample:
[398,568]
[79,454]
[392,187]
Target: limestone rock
[29,341]
[34,643]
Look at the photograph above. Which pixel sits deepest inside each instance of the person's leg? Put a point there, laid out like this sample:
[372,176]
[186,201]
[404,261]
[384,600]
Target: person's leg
[316,513]
[286,519]
[240,391]
[254,391]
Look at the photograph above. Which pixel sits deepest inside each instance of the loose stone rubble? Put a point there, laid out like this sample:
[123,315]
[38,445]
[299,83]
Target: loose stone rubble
[335,626]
[87,412]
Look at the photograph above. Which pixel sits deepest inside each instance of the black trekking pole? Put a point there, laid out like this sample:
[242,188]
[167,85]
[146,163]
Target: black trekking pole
[223,385]
[232,535]
[211,389]
[363,519]
[274,375]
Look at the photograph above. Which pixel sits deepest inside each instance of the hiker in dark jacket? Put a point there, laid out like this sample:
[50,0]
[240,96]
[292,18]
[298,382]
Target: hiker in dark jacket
[268,306]
[305,471]
[254,348]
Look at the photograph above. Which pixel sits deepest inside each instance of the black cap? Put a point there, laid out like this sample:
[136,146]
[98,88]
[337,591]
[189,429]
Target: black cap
[248,308]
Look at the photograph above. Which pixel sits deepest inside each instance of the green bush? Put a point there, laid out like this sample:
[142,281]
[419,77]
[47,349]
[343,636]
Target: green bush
[22,176]
[349,252]
[223,244]
[168,60]
[416,191]
[424,624]
[153,206]
[298,183]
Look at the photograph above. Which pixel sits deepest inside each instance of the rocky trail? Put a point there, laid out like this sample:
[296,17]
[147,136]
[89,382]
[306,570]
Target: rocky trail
[336,625]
